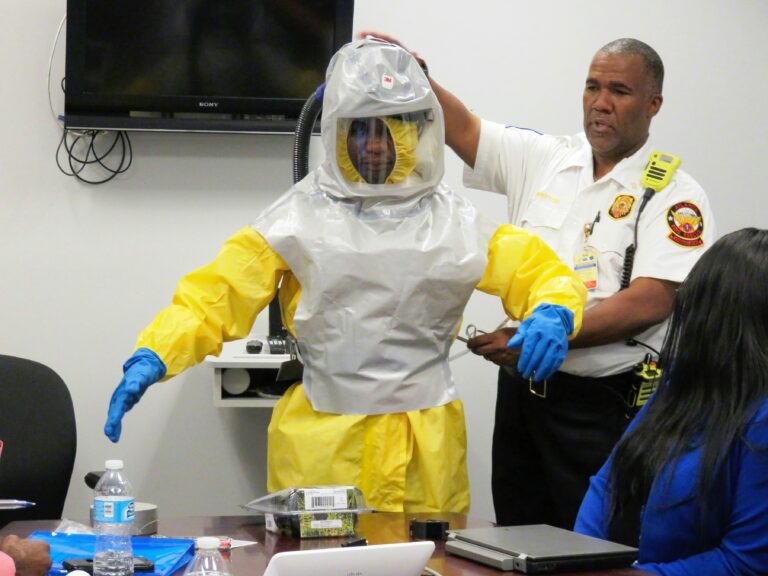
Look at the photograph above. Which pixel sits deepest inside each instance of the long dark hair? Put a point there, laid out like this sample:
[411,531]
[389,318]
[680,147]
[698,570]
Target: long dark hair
[715,358]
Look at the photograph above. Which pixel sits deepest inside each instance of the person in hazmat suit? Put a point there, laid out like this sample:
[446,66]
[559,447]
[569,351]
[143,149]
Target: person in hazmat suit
[375,259]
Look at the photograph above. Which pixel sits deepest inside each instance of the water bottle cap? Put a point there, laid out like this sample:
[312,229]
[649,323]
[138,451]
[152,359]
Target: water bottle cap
[113,464]
[207,542]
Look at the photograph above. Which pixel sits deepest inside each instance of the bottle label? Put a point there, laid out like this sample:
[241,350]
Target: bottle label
[115,510]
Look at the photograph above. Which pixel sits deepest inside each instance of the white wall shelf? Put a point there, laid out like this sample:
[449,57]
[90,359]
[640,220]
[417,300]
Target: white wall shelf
[234,357]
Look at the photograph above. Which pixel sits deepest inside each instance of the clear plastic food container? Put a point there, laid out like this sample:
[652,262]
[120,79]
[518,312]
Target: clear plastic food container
[311,512]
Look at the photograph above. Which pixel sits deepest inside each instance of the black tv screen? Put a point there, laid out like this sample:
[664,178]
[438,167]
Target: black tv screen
[197,64]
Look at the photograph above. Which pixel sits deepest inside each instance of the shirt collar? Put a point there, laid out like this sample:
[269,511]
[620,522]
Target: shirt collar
[625,173]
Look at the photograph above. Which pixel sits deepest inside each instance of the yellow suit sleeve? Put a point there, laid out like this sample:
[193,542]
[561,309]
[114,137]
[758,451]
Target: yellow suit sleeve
[524,272]
[215,303]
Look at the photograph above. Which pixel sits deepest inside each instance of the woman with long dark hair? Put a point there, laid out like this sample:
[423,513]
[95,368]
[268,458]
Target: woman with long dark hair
[688,482]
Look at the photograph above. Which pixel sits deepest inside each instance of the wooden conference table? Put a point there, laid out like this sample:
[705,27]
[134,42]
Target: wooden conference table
[378,528]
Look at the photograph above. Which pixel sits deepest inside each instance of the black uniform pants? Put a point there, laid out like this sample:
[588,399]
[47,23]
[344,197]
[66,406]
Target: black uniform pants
[546,449]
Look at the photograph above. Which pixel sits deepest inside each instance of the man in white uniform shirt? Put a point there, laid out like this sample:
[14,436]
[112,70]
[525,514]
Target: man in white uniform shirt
[582,194]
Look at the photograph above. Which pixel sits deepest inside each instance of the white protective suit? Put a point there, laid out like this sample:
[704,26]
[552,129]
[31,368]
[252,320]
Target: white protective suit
[385,269]
[374,278]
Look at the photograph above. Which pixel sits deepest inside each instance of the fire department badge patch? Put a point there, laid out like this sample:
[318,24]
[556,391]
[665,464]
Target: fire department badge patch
[621,206]
[686,223]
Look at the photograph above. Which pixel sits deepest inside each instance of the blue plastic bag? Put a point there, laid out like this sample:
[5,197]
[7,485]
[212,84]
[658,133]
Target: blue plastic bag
[168,554]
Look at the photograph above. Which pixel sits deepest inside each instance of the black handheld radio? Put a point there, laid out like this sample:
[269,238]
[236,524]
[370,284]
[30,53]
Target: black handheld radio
[657,174]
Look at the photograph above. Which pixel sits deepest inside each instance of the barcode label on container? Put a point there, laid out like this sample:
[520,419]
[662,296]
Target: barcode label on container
[325,499]
[322,502]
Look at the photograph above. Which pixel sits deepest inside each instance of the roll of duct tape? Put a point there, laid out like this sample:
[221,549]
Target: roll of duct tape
[145,519]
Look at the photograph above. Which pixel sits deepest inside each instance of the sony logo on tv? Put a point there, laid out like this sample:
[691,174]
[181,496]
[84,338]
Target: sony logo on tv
[208,104]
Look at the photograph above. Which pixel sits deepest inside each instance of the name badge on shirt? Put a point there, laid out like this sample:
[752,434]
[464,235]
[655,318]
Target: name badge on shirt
[585,267]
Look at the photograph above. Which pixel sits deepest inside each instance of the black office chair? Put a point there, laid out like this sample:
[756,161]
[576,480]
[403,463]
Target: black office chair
[37,427]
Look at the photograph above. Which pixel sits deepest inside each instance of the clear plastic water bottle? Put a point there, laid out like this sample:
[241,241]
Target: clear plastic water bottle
[207,561]
[113,510]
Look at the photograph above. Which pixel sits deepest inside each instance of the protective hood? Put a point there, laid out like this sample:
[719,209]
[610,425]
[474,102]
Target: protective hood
[382,126]
[385,254]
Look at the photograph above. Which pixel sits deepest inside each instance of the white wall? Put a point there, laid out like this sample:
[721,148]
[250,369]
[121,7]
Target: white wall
[84,268]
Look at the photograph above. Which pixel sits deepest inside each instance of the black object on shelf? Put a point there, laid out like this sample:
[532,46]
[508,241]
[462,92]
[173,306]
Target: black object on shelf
[254,346]
[92,478]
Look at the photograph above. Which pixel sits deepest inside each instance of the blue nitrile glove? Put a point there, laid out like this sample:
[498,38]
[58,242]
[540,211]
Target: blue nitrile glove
[140,371]
[544,338]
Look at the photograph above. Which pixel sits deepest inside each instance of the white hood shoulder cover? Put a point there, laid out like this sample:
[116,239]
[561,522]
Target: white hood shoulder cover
[385,275]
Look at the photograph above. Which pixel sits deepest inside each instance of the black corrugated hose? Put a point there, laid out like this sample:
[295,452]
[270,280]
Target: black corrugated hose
[304,127]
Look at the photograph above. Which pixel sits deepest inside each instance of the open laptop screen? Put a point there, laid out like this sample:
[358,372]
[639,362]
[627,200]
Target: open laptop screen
[406,559]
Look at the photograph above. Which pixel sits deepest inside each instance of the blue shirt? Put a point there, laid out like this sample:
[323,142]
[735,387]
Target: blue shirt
[735,540]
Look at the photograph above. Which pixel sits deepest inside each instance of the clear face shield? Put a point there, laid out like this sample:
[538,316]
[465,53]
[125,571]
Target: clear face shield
[386,150]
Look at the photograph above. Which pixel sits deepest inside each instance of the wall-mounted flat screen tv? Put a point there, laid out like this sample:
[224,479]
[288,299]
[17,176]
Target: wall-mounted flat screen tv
[208,65]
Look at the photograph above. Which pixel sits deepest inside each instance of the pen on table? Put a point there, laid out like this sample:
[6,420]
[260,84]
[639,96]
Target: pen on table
[14,504]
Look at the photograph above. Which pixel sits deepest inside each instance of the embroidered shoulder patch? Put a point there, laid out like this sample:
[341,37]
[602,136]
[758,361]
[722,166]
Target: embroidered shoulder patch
[686,224]
[621,207]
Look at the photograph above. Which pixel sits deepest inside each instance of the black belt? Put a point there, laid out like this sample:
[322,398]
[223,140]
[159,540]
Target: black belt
[621,383]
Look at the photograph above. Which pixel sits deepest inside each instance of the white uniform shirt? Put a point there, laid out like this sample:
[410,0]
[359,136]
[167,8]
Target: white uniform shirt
[550,189]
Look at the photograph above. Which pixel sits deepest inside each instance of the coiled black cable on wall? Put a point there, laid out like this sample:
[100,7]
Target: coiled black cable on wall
[84,150]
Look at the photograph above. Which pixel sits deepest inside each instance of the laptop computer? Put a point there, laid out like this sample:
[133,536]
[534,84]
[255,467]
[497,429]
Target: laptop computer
[537,549]
[406,559]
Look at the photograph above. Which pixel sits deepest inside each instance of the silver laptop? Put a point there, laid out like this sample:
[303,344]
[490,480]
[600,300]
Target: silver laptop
[406,559]
[537,549]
